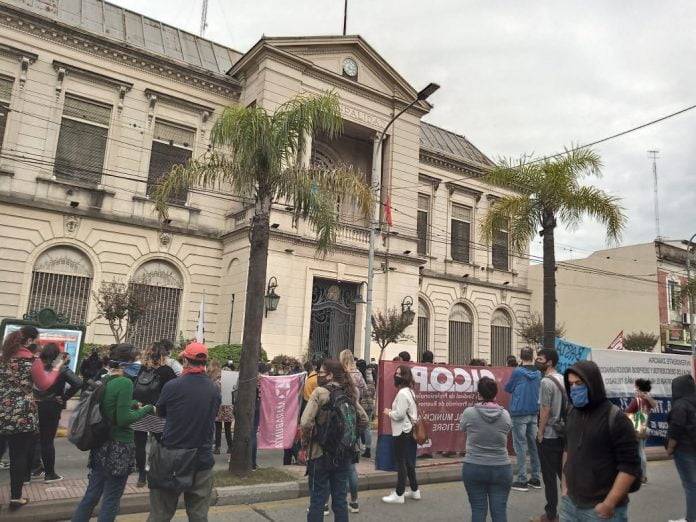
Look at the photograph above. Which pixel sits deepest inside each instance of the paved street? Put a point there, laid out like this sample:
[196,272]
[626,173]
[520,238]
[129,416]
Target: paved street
[660,501]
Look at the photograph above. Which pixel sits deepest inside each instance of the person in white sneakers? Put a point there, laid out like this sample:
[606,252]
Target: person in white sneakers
[403,414]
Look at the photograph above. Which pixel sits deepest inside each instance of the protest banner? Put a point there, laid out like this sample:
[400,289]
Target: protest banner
[279,410]
[569,353]
[443,393]
[68,340]
[620,369]
[228,386]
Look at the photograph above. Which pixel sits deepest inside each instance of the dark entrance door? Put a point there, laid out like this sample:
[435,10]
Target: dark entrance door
[332,327]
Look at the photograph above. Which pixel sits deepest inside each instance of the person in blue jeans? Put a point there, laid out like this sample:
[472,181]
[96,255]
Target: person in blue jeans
[681,438]
[523,386]
[487,471]
[329,474]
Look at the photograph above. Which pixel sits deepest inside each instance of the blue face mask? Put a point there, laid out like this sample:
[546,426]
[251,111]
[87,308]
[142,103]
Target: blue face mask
[131,369]
[579,395]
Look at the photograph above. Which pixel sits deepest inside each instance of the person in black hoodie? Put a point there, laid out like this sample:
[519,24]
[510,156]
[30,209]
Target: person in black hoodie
[681,438]
[601,455]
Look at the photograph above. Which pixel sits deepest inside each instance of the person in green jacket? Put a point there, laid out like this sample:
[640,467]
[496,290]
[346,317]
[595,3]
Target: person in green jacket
[111,463]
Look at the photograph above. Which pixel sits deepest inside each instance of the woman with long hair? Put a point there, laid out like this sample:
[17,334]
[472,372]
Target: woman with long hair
[329,474]
[367,401]
[487,471]
[20,372]
[403,415]
[224,416]
[112,462]
[51,403]
[156,369]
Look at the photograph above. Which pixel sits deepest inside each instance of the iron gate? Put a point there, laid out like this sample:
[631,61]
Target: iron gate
[332,327]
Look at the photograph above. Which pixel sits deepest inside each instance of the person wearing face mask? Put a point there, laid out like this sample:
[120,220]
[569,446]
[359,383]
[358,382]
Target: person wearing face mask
[111,463]
[602,462]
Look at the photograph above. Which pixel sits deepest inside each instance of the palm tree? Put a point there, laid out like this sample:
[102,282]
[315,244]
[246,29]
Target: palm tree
[257,155]
[547,191]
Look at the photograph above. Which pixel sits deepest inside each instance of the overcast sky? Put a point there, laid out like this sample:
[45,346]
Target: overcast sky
[522,76]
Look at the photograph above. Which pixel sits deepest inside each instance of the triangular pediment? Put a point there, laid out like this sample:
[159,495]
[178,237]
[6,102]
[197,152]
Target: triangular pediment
[330,53]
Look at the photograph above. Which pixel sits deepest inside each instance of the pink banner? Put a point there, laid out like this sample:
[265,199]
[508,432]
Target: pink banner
[280,410]
[443,393]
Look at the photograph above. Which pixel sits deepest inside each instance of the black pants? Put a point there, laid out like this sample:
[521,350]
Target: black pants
[228,433]
[551,460]
[403,445]
[140,439]
[3,445]
[20,459]
[49,416]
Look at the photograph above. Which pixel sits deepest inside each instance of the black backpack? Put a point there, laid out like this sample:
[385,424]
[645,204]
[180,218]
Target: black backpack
[87,429]
[147,386]
[338,436]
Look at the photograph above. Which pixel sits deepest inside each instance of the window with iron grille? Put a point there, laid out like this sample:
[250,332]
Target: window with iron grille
[423,222]
[62,280]
[162,285]
[501,338]
[675,303]
[460,335]
[5,96]
[461,232]
[84,131]
[500,250]
[423,328]
[171,145]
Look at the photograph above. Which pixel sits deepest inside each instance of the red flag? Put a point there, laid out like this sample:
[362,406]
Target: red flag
[388,212]
[617,343]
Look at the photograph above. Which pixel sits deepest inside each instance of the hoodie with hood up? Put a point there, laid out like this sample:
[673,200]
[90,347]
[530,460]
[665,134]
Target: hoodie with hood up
[596,455]
[682,416]
[524,387]
[487,426]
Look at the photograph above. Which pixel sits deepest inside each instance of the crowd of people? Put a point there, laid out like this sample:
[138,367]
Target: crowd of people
[574,437]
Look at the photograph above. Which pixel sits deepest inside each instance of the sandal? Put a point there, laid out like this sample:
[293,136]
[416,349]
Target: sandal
[16,504]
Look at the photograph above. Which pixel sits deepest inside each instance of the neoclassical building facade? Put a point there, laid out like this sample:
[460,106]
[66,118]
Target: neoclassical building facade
[97,103]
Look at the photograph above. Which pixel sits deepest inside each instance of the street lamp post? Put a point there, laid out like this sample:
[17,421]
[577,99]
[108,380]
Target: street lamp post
[691,298]
[374,222]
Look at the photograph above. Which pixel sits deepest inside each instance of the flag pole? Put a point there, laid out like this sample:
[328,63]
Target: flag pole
[345,16]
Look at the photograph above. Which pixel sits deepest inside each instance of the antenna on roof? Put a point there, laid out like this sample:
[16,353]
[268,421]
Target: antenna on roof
[204,18]
[654,155]
[345,16]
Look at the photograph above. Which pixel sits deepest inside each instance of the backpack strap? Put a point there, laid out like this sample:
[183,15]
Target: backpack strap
[564,398]
[613,413]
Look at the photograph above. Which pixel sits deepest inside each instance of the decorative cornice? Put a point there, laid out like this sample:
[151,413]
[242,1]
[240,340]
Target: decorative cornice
[458,165]
[455,187]
[92,76]
[116,52]
[15,52]
[435,182]
[473,282]
[180,102]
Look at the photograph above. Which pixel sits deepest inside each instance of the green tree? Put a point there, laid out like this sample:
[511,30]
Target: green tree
[256,155]
[388,327]
[123,306]
[549,191]
[640,341]
[531,329]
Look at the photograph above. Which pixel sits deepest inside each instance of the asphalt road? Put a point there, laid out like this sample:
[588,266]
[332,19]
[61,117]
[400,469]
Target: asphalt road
[659,501]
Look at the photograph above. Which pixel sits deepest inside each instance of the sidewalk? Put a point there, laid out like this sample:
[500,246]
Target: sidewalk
[57,501]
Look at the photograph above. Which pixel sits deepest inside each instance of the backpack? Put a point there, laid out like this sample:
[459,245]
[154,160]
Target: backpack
[87,429]
[338,436]
[560,425]
[614,412]
[147,386]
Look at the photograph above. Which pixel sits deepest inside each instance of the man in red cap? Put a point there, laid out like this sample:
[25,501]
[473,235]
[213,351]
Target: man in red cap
[189,404]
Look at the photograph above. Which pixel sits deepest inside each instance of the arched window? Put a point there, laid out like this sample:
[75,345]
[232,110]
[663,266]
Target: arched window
[460,335]
[162,284]
[423,328]
[501,338]
[62,280]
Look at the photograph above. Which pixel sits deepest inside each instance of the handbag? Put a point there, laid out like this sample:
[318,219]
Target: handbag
[172,469]
[421,428]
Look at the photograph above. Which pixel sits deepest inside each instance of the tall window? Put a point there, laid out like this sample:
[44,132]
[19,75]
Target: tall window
[501,254]
[501,338]
[422,223]
[162,284]
[84,130]
[423,327]
[674,301]
[5,96]
[171,145]
[62,280]
[460,335]
[461,232]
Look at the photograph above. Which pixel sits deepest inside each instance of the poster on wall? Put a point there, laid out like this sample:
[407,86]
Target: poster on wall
[443,393]
[67,340]
[620,369]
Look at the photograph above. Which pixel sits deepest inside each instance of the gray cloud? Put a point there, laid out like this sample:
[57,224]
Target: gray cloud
[523,76]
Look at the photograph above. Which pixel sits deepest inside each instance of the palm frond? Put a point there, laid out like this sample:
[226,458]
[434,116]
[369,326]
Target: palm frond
[596,203]
[514,174]
[519,214]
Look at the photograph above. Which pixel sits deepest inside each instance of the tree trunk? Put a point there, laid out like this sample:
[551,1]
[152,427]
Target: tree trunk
[240,457]
[549,224]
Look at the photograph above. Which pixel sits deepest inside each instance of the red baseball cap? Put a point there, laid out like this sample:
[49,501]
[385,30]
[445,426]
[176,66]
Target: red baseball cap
[195,351]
